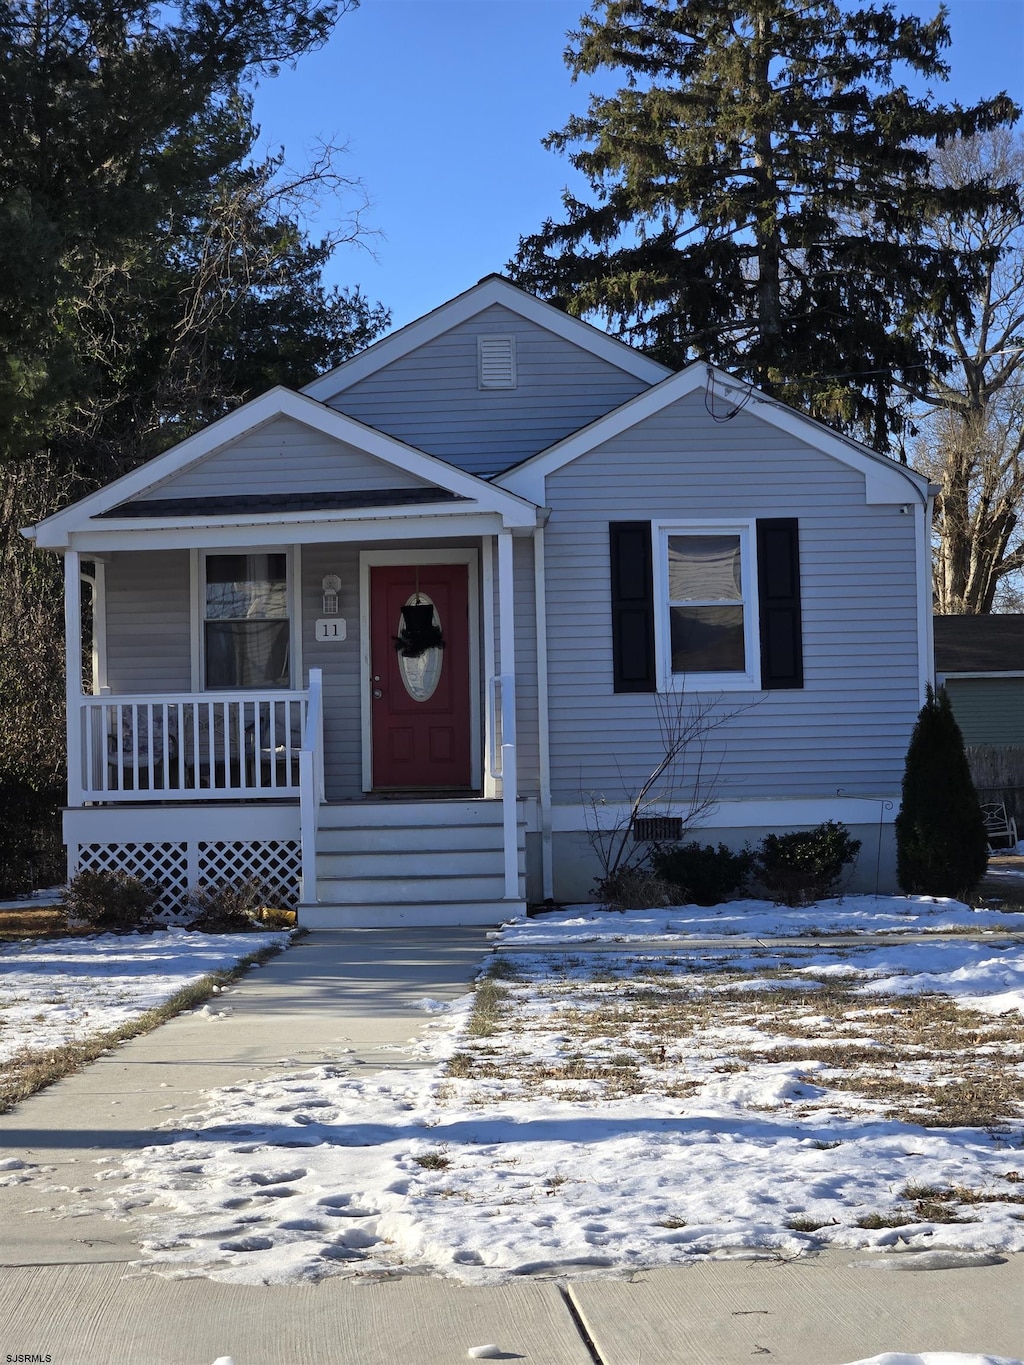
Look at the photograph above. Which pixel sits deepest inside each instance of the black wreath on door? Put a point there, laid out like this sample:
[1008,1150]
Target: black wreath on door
[419,632]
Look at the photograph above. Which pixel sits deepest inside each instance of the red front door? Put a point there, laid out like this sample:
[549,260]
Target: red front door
[420,696]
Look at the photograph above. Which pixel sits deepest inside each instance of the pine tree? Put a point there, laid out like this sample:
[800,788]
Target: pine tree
[941,844]
[760,191]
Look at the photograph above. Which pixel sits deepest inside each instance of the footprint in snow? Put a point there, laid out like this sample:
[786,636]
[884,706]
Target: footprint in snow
[277,1177]
[248,1244]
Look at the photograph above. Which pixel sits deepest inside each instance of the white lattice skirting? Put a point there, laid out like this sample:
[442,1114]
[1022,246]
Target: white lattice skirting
[274,863]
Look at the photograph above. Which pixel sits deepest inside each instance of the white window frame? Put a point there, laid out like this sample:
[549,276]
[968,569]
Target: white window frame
[750,678]
[292,597]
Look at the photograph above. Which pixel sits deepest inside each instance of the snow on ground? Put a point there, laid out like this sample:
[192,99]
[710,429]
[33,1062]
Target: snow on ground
[57,991]
[930,1358]
[567,1137]
[751,918]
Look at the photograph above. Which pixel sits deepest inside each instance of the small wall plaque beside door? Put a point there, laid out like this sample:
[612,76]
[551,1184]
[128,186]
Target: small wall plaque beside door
[330,628]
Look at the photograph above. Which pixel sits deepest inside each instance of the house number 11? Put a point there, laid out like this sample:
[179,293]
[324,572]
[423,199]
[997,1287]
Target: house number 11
[329,628]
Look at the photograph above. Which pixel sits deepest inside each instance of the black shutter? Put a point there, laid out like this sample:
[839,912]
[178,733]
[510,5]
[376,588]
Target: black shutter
[632,606]
[778,591]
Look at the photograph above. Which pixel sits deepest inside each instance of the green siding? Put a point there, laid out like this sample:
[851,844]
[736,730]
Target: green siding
[988,710]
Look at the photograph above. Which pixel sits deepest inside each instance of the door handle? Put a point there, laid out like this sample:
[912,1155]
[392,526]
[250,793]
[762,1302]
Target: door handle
[377,692]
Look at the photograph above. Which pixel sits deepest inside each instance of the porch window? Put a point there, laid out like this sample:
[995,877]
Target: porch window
[246,626]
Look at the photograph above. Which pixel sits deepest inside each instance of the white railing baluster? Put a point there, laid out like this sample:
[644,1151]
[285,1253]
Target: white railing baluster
[195,746]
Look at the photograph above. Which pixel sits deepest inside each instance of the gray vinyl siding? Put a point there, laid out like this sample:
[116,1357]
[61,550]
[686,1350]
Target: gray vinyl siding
[284,456]
[340,664]
[148,621]
[988,710]
[848,727]
[430,398]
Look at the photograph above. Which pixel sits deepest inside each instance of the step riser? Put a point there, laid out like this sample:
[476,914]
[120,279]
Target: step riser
[445,814]
[411,838]
[332,916]
[457,863]
[398,891]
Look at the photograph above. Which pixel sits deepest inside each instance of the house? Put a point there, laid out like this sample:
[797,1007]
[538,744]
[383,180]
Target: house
[980,662]
[392,642]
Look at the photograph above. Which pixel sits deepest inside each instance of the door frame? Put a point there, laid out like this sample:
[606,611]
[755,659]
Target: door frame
[369,559]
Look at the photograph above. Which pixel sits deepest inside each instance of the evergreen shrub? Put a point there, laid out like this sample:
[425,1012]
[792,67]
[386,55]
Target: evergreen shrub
[941,844]
[804,866]
[701,874]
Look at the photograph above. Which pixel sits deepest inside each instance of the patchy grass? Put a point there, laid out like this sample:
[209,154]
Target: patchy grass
[489,1007]
[433,1161]
[921,1059]
[37,922]
[29,1071]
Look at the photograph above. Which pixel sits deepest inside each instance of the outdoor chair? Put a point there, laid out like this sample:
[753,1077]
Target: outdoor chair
[1000,827]
[139,734]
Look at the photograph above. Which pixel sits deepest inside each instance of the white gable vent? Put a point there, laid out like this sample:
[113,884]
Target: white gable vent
[497,360]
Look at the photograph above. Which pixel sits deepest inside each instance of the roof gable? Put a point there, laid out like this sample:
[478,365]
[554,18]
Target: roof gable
[493,289]
[885,480]
[173,477]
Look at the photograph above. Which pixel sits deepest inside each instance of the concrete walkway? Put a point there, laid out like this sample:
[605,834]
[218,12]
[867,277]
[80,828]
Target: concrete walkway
[69,1290]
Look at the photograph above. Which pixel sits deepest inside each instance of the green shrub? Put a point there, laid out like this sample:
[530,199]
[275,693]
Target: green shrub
[110,900]
[227,907]
[941,844]
[804,866]
[701,873]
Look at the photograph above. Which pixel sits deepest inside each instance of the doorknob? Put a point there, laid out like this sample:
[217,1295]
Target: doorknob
[377,692]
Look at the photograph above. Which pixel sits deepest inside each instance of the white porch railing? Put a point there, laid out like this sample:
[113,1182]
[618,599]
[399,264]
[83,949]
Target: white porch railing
[311,782]
[502,762]
[190,747]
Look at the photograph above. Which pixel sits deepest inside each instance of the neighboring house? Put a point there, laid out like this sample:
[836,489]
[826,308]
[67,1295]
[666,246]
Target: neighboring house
[980,662]
[594,538]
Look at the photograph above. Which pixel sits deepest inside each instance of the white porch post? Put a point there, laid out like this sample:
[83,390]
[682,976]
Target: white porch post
[543,736]
[509,779]
[73,672]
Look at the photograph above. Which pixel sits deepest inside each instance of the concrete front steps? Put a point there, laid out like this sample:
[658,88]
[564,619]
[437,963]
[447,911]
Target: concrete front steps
[382,864]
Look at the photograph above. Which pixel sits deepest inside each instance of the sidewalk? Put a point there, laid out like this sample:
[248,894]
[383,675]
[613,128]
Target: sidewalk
[68,1288]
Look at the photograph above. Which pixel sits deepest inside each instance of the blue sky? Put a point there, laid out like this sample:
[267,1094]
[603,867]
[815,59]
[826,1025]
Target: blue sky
[443,104]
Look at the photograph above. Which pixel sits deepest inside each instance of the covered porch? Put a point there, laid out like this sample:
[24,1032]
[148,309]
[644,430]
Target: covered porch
[240,663]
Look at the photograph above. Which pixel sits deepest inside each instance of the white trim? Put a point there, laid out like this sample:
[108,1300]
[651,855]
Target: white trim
[461,555]
[73,674]
[487,552]
[925,615]
[750,679]
[509,716]
[53,531]
[885,480]
[248,821]
[543,721]
[757,813]
[213,534]
[492,290]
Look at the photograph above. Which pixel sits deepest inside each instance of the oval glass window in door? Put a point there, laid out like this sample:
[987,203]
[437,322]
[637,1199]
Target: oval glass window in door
[421,673]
